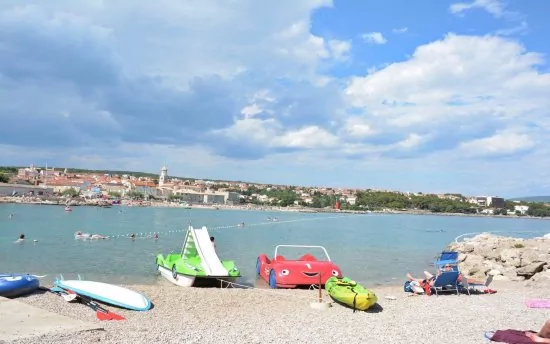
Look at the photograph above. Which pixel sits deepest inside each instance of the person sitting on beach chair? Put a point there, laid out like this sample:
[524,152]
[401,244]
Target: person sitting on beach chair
[429,277]
[420,285]
[521,337]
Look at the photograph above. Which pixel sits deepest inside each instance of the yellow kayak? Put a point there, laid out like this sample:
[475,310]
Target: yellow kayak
[348,292]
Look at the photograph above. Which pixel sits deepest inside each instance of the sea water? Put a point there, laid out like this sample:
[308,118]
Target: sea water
[372,249]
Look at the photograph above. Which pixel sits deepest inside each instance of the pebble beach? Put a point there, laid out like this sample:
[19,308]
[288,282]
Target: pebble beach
[262,315]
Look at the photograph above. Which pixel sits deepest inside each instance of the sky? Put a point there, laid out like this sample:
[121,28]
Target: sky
[419,96]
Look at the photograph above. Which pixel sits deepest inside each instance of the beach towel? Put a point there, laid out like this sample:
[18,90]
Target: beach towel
[538,303]
[511,337]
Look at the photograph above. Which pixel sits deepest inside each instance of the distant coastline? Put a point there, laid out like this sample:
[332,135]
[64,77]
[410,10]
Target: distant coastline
[251,207]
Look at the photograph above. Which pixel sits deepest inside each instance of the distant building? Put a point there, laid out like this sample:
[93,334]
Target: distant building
[209,197]
[28,173]
[521,208]
[487,201]
[495,202]
[24,190]
[163,178]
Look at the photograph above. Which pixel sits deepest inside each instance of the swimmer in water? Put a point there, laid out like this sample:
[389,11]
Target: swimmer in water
[97,236]
[155,236]
[80,235]
[133,236]
[21,238]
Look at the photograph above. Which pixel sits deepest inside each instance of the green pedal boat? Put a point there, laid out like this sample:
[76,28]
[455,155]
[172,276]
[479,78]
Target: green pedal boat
[198,261]
[347,292]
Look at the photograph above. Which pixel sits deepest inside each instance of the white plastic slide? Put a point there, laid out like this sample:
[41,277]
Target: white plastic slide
[210,260]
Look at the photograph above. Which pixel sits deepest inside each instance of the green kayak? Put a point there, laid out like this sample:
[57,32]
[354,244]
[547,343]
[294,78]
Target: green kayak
[348,292]
[198,260]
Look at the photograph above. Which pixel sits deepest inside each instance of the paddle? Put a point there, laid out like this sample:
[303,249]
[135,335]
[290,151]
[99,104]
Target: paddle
[101,313]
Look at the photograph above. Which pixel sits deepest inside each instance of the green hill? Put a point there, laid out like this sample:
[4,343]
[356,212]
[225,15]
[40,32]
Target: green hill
[541,199]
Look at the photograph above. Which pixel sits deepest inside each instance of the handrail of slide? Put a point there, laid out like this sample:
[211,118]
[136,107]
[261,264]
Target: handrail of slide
[210,260]
[301,246]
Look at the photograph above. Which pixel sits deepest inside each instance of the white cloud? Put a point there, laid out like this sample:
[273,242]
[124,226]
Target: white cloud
[400,30]
[357,128]
[374,37]
[309,137]
[270,134]
[455,90]
[519,29]
[208,37]
[411,141]
[499,144]
[251,110]
[340,49]
[494,7]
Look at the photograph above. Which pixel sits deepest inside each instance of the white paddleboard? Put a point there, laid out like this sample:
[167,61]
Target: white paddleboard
[108,293]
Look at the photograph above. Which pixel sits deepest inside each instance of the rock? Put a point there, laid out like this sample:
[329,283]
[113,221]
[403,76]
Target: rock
[529,256]
[468,248]
[541,279]
[494,272]
[510,257]
[531,269]
[472,259]
[543,276]
[487,252]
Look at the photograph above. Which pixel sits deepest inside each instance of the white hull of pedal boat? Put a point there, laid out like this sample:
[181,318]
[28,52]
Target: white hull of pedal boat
[181,280]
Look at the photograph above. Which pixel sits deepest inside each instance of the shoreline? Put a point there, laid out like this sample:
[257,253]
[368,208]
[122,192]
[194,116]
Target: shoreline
[154,204]
[246,315]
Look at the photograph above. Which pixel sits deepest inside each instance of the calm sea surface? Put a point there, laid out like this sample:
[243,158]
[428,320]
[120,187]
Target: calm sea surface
[373,249]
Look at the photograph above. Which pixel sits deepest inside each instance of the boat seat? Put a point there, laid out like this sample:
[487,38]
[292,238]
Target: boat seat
[279,258]
[308,257]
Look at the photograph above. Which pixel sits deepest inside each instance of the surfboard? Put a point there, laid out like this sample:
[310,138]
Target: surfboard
[538,303]
[107,293]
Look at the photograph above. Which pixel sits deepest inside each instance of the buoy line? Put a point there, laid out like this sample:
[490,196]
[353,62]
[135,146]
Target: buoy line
[149,234]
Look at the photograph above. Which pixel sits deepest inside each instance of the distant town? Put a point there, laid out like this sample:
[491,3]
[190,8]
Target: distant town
[50,182]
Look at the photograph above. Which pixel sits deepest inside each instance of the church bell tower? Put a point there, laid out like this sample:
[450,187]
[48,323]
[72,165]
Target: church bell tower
[163,175]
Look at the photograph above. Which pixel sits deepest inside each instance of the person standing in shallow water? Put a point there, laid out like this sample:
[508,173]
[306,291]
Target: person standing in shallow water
[212,240]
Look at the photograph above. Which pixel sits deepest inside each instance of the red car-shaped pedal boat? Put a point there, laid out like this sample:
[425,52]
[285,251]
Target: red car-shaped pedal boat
[307,270]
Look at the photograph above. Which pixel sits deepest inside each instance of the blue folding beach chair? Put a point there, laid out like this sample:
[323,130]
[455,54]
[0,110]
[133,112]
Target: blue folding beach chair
[447,257]
[446,281]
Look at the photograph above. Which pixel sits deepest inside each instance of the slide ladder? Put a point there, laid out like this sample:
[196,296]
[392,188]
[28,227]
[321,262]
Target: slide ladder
[189,247]
[204,248]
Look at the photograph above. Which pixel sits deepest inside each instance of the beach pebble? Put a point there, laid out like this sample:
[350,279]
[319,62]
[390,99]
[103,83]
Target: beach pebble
[230,315]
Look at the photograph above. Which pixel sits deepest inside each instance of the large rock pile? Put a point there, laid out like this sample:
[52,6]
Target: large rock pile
[505,258]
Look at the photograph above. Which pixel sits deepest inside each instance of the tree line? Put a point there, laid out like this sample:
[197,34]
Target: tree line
[378,200]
